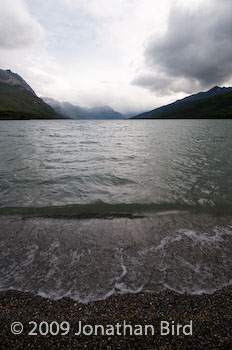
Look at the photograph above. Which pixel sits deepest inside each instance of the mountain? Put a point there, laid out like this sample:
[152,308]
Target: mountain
[75,112]
[215,103]
[105,112]
[19,101]
[13,79]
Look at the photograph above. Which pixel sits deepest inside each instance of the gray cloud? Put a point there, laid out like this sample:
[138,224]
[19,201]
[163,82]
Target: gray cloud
[163,84]
[196,50]
[18,29]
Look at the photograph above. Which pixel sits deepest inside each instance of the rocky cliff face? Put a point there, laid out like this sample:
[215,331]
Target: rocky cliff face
[19,101]
[13,79]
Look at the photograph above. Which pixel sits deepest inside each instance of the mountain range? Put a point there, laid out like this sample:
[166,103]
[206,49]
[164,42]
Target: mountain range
[76,112]
[215,103]
[19,101]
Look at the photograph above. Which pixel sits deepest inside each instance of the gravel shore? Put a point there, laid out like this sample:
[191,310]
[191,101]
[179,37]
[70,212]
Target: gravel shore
[211,317]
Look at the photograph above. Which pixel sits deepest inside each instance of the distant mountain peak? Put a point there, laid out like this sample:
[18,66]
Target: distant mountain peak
[102,109]
[77,112]
[216,88]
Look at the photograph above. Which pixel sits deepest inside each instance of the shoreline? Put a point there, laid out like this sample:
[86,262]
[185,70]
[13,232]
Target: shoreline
[211,316]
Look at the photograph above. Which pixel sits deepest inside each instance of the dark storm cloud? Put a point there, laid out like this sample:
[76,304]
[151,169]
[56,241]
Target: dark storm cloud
[164,84]
[196,49]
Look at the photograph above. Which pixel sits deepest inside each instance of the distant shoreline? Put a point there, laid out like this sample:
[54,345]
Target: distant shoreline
[159,118]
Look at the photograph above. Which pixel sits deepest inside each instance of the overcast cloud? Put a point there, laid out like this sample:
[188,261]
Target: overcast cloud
[194,53]
[132,55]
[18,29]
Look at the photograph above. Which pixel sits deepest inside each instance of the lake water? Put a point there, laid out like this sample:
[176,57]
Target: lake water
[92,208]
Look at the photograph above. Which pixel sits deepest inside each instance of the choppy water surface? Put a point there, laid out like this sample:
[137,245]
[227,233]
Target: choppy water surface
[92,208]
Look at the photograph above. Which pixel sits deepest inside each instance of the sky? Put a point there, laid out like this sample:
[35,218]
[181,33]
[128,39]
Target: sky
[132,55]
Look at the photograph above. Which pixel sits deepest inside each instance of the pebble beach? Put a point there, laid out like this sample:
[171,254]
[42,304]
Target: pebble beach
[211,316]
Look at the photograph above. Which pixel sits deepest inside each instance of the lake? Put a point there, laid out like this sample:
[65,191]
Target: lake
[93,208]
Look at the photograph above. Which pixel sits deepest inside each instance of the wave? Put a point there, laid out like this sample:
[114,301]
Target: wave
[107,210]
[93,259]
